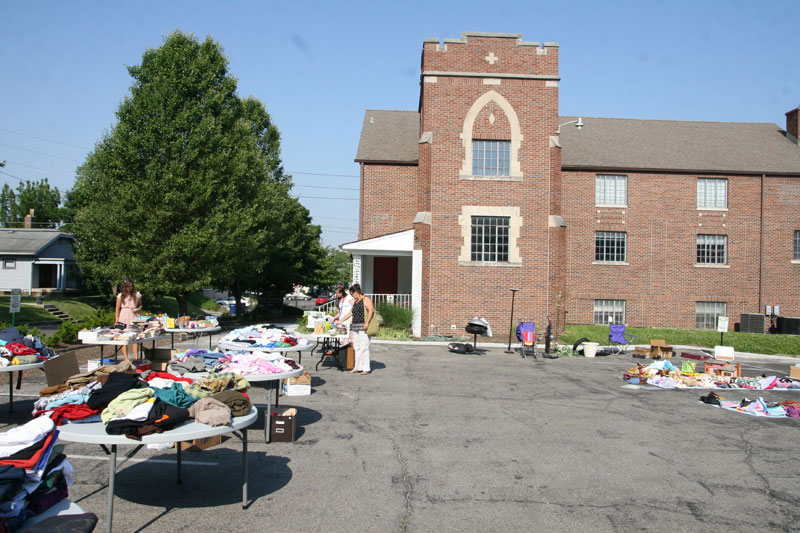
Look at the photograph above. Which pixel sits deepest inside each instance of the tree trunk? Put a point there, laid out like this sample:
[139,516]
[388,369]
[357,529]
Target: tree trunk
[183,303]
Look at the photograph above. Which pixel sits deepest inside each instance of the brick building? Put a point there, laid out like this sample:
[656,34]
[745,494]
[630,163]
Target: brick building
[647,222]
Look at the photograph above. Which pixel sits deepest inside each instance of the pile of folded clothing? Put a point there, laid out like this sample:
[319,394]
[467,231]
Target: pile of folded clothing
[34,472]
[238,362]
[135,404]
[16,349]
[262,336]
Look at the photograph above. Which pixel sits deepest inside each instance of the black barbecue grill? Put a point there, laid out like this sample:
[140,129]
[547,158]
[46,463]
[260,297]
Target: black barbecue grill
[477,326]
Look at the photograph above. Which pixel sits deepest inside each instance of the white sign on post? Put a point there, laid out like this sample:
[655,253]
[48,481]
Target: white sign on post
[722,324]
[16,298]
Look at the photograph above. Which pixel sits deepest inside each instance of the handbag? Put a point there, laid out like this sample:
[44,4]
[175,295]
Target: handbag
[372,327]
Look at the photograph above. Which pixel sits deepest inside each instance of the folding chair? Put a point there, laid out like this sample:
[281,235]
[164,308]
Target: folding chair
[619,339]
[526,333]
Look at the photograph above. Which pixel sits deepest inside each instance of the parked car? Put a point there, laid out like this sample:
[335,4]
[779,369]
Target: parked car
[321,299]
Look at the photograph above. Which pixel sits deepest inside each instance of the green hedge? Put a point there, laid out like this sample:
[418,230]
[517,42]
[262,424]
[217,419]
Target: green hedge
[395,316]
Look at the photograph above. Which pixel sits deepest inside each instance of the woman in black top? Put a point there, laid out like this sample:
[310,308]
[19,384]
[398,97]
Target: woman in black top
[362,313]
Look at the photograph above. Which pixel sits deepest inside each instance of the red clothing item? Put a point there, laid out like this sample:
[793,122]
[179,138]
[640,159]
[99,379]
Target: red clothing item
[69,411]
[167,375]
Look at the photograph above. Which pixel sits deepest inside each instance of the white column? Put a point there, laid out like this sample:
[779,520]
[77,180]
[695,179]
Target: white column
[416,292]
[357,269]
[60,279]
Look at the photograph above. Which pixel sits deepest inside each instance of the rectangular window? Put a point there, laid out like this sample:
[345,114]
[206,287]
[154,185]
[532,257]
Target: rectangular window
[613,309]
[712,193]
[490,158]
[610,189]
[9,264]
[797,245]
[706,314]
[712,249]
[490,239]
[610,246]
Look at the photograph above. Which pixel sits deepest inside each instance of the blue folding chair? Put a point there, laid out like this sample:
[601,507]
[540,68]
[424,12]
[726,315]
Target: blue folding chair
[619,339]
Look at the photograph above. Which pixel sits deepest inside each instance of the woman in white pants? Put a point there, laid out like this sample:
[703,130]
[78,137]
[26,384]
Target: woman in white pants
[361,313]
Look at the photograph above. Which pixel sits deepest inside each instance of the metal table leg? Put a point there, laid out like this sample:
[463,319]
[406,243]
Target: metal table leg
[11,392]
[112,468]
[178,447]
[268,413]
[244,468]
[172,342]
[209,341]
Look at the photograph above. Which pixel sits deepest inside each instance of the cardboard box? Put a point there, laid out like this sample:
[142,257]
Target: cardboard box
[298,386]
[723,353]
[94,364]
[660,348]
[283,425]
[794,372]
[159,358]
[199,444]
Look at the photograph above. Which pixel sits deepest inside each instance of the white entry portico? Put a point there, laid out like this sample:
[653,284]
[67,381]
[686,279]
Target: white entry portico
[389,269]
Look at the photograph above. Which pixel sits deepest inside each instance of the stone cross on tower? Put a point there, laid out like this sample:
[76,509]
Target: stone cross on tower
[491,58]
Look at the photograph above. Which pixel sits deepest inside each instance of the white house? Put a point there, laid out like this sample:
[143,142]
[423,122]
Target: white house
[36,259]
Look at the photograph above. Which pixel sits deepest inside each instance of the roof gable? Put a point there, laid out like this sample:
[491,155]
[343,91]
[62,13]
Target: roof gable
[14,241]
[389,137]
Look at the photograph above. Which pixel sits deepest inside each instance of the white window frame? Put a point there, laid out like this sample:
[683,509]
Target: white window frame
[611,190]
[707,313]
[489,241]
[603,309]
[708,241]
[609,236]
[9,264]
[491,158]
[712,194]
[796,256]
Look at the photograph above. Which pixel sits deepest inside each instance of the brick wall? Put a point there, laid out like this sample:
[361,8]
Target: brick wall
[390,197]
[661,282]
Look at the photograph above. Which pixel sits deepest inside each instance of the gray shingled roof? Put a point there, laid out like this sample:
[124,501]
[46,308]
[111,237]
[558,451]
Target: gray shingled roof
[633,144]
[27,241]
[389,136]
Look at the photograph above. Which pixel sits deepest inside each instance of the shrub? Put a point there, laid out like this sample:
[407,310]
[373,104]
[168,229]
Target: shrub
[395,316]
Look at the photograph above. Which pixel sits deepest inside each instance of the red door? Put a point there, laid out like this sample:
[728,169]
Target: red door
[385,275]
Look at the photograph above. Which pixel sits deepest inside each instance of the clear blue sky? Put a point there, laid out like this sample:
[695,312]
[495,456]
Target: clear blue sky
[318,65]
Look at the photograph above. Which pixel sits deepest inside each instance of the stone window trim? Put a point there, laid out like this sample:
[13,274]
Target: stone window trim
[465,222]
[515,171]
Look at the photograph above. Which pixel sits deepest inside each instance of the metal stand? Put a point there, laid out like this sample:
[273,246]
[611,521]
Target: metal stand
[511,322]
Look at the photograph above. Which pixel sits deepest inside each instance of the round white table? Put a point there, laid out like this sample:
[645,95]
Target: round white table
[16,368]
[95,433]
[299,348]
[200,331]
[269,380]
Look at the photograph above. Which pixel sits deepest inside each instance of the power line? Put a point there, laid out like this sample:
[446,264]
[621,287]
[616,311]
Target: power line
[12,175]
[43,139]
[322,174]
[326,198]
[43,169]
[342,232]
[323,187]
[338,227]
[40,153]
[334,218]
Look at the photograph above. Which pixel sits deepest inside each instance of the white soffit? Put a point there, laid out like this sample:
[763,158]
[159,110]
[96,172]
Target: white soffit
[402,241]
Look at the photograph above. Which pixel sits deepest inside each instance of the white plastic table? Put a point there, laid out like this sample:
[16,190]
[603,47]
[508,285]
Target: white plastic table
[269,379]
[95,433]
[299,348]
[118,344]
[200,331]
[16,368]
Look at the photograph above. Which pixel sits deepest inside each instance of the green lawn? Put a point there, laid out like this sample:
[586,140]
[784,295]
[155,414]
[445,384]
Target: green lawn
[197,305]
[74,307]
[742,342]
[28,312]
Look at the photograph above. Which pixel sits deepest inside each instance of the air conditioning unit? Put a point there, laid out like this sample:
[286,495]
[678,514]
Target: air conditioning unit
[752,323]
[788,325]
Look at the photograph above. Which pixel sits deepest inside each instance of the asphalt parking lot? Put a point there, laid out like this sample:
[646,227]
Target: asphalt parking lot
[435,441]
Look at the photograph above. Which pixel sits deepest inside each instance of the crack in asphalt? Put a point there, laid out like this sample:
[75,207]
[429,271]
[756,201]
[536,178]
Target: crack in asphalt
[408,487]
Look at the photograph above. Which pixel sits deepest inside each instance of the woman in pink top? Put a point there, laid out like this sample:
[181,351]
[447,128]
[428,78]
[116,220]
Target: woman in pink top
[129,302]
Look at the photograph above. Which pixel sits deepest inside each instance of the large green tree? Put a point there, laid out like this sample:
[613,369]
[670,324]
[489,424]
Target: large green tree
[37,195]
[173,195]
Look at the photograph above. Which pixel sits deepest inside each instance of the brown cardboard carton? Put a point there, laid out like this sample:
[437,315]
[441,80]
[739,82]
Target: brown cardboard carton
[199,444]
[159,358]
[794,372]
